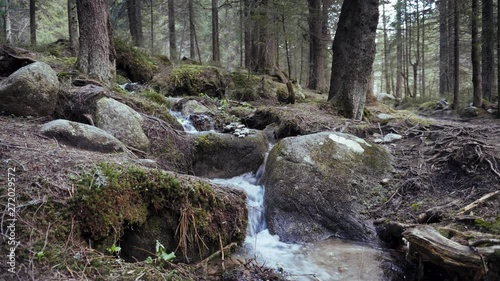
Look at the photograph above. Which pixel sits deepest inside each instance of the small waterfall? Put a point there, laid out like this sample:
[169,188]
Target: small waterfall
[331,259]
[184,121]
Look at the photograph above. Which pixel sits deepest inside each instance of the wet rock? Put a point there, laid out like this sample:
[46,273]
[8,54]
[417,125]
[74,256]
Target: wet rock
[82,136]
[316,186]
[226,156]
[442,104]
[193,107]
[132,86]
[202,122]
[30,91]
[122,122]
[391,137]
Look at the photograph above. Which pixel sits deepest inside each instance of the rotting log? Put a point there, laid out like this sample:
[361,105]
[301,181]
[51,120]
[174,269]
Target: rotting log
[455,258]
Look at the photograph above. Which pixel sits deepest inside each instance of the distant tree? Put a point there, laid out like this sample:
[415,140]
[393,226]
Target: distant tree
[6,22]
[456,54]
[318,32]
[475,57]
[487,49]
[445,53]
[215,32]
[73,26]
[192,45]
[33,22]
[498,61]
[353,55]
[135,21]
[96,50]
[399,50]
[387,77]
[171,30]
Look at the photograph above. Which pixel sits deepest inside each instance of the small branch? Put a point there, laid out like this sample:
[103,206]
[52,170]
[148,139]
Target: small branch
[478,202]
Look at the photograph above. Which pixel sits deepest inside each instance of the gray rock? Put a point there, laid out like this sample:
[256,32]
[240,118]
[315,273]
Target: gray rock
[384,116]
[30,91]
[122,122]
[82,136]
[384,96]
[470,111]
[388,138]
[226,156]
[442,104]
[317,185]
[194,107]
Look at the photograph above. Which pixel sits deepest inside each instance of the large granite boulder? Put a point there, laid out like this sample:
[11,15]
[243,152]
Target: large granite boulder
[30,91]
[122,122]
[225,155]
[317,185]
[82,136]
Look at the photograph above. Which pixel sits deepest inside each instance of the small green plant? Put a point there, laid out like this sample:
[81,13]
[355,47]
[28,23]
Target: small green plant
[114,250]
[416,206]
[161,255]
[40,255]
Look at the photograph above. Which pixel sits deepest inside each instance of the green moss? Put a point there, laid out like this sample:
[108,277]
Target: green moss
[282,94]
[208,142]
[155,97]
[135,62]
[493,227]
[428,105]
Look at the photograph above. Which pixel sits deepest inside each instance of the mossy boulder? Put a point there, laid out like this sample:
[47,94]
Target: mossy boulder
[30,91]
[136,63]
[192,80]
[82,136]
[122,122]
[319,186]
[225,155]
[134,208]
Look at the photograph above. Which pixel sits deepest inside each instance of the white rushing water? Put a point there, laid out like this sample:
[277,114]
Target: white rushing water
[184,121]
[331,259]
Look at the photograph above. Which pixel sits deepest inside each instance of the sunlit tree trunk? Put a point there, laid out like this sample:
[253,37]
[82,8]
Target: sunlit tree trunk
[353,55]
[73,26]
[475,58]
[96,49]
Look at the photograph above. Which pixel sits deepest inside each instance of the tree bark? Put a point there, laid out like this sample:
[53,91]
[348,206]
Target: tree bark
[456,61]
[353,55]
[96,49]
[192,46]
[7,23]
[475,58]
[399,50]
[318,20]
[487,49]
[152,23]
[171,30]
[135,21]
[215,31]
[386,52]
[73,26]
[33,22]
[498,61]
[444,48]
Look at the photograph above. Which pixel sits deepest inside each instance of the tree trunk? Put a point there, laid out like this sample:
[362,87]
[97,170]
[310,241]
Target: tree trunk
[287,50]
[260,40]
[318,20]
[476,67]
[33,22]
[135,21]
[171,30]
[399,50]
[444,48]
[456,61]
[7,23]
[498,61]
[96,49]
[192,53]
[73,26]
[423,52]
[152,35]
[353,55]
[215,31]
[386,52]
[487,49]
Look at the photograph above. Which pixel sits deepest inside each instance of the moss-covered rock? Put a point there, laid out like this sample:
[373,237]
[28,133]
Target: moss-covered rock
[136,207]
[192,80]
[136,63]
[320,185]
[226,156]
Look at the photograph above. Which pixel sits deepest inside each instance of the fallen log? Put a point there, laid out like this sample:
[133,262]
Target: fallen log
[458,260]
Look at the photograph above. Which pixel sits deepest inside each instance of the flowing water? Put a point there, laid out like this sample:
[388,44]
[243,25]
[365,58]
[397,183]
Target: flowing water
[331,259]
[184,121]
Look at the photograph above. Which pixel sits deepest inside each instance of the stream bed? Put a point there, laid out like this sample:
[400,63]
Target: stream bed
[331,259]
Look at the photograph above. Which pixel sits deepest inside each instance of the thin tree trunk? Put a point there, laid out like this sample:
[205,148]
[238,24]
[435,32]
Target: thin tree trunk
[215,32]
[191,30]
[487,49]
[498,61]
[242,31]
[301,60]
[386,52]
[475,58]
[423,52]
[456,65]
[399,50]
[444,50]
[33,22]
[152,27]
[317,21]
[73,26]
[171,30]
[286,47]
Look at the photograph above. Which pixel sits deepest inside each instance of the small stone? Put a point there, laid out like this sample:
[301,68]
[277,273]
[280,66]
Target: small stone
[241,126]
